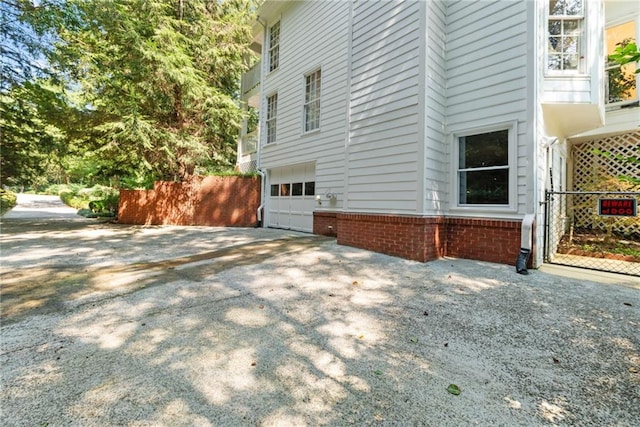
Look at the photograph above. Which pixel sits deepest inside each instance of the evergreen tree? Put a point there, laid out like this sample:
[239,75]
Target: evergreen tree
[159,79]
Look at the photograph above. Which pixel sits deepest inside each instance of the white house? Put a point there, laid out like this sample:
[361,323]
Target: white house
[430,128]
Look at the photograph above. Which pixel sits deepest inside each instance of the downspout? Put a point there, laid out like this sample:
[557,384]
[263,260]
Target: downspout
[526,230]
[261,207]
[262,174]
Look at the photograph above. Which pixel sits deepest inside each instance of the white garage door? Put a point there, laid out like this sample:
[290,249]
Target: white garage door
[291,197]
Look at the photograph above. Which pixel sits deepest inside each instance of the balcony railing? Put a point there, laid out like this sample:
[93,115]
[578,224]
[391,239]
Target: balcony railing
[251,78]
[620,86]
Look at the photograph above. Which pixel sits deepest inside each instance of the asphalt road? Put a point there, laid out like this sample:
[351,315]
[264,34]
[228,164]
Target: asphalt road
[107,324]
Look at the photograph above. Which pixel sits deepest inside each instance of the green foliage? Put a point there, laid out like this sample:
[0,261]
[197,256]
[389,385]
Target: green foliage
[626,53]
[159,81]
[27,33]
[97,199]
[31,141]
[7,200]
[120,92]
[57,189]
[632,181]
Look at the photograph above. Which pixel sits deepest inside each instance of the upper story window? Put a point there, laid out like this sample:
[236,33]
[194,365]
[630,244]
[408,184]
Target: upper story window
[483,173]
[274,46]
[620,80]
[565,35]
[312,101]
[272,111]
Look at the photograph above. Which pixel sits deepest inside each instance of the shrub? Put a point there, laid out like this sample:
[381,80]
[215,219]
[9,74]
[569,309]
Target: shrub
[98,200]
[7,200]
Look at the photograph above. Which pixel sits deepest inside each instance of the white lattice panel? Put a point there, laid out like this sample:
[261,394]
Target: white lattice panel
[600,172]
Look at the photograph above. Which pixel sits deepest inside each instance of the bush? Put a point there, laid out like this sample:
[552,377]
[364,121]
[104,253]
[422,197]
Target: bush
[98,200]
[7,200]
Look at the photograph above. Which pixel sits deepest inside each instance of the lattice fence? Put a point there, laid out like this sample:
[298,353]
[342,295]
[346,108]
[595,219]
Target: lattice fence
[247,167]
[600,165]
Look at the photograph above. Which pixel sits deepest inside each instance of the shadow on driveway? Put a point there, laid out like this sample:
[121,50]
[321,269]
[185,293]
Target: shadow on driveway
[106,324]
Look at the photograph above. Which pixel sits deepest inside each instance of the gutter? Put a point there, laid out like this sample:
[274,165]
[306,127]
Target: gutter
[263,176]
[261,207]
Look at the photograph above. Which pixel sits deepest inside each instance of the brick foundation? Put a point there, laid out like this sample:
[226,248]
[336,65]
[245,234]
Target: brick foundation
[325,224]
[483,239]
[424,238]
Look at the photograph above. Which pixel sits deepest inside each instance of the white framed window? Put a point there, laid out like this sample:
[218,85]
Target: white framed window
[313,82]
[565,36]
[272,112]
[274,46]
[485,168]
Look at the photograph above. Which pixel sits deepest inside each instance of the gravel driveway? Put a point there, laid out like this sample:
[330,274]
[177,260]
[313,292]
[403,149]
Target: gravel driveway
[106,324]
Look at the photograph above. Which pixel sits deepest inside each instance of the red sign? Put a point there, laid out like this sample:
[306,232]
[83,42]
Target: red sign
[617,207]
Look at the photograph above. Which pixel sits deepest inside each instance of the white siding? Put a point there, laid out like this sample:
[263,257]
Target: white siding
[385,110]
[436,171]
[313,35]
[487,71]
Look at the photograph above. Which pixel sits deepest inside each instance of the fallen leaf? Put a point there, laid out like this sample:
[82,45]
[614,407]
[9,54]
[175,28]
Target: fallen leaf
[355,283]
[261,306]
[634,370]
[377,372]
[253,363]
[453,389]
[414,339]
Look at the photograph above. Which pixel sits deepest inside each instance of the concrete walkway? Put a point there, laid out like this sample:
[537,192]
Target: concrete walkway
[108,324]
[37,206]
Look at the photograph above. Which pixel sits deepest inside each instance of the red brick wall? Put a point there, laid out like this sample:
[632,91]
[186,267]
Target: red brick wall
[325,223]
[408,237]
[213,201]
[426,238]
[483,239]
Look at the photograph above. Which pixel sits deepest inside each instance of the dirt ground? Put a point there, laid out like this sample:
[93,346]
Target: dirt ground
[109,324]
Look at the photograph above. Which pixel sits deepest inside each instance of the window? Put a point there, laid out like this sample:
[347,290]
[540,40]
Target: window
[565,35]
[483,168]
[274,46]
[272,111]
[620,79]
[296,189]
[312,101]
[310,188]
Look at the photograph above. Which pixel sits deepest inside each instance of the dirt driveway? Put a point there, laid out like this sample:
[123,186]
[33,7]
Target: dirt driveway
[107,324]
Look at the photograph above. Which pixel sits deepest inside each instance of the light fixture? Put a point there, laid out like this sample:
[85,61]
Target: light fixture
[329,195]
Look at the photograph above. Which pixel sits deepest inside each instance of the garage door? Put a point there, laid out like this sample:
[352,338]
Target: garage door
[291,197]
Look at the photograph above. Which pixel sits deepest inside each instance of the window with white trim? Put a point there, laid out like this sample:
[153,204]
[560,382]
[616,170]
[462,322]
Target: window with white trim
[483,172]
[272,112]
[274,46]
[565,35]
[312,101]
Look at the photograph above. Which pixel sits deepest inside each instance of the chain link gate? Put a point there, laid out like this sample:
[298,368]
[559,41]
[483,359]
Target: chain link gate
[582,231]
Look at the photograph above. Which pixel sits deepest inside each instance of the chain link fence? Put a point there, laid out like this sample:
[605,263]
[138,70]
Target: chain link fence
[595,230]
